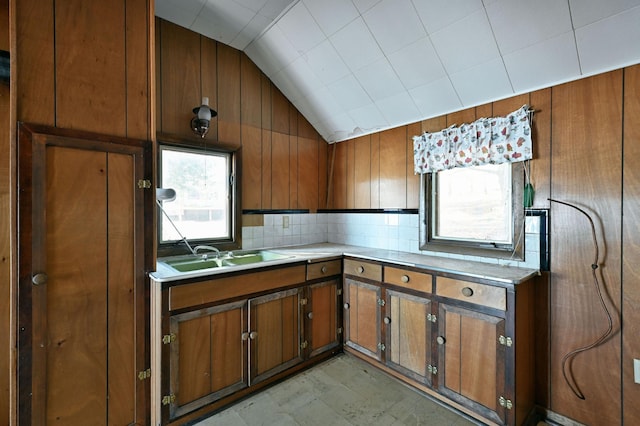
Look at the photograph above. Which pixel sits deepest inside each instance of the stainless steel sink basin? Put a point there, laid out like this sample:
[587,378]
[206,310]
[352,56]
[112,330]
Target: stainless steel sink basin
[189,263]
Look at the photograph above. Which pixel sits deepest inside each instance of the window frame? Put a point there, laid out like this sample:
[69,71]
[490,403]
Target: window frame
[512,251]
[173,248]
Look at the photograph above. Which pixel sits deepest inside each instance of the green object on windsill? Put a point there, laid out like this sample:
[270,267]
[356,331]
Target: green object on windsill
[529,193]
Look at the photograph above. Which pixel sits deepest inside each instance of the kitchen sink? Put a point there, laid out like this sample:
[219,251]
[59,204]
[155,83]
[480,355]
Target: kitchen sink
[189,263]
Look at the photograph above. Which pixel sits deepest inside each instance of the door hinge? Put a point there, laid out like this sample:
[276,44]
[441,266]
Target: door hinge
[339,330]
[381,346]
[431,317]
[339,292]
[380,302]
[168,338]
[144,184]
[144,374]
[303,301]
[505,341]
[432,369]
[168,399]
[304,345]
[506,403]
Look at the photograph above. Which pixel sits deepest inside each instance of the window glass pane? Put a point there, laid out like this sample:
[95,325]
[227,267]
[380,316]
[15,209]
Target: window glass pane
[201,209]
[474,204]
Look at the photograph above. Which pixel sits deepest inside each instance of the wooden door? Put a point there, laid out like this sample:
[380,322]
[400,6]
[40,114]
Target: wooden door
[408,320]
[275,333]
[208,358]
[83,313]
[362,315]
[471,362]
[323,317]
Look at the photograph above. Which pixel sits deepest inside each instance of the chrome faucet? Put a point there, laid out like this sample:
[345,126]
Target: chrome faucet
[196,249]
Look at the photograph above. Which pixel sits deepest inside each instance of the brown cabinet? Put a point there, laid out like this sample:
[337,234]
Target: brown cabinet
[323,317]
[362,317]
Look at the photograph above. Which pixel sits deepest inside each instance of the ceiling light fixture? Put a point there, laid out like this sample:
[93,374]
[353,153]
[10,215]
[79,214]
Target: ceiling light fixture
[204,114]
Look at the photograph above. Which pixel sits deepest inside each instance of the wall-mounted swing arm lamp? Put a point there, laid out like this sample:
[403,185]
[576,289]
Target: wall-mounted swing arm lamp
[169,194]
[204,114]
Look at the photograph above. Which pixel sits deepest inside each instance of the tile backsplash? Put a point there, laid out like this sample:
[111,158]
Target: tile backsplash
[398,232]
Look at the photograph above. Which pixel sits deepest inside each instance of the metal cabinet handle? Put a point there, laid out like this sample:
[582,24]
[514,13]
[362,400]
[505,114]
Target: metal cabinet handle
[404,278]
[346,306]
[310,315]
[39,279]
[467,291]
[253,335]
[440,340]
[323,269]
[245,336]
[387,320]
[360,269]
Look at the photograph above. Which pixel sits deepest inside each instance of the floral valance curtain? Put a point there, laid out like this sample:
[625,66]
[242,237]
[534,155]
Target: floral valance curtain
[485,141]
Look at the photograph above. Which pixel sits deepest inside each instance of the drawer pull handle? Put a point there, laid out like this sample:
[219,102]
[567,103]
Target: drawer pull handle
[467,292]
[253,335]
[360,269]
[346,306]
[323,269]
[245,336]
[310,315]
[440,340]
[387,320]
[404,278]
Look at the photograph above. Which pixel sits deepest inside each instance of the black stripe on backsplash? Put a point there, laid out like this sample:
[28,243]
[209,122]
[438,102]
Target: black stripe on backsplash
[283,211]
[383,211]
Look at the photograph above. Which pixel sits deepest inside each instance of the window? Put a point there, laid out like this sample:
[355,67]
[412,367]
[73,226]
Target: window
[473,210]
[204,207]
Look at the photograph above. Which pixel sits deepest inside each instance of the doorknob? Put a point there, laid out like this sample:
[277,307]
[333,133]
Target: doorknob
[39,279]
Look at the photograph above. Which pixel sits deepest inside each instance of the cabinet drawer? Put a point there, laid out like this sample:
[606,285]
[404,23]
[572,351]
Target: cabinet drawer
[482,294]
[324,269]
[408,279]
[363,269]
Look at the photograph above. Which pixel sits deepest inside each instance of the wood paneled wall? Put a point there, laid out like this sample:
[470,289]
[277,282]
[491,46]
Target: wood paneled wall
[586,152]
[5,229]
[284,160]
[79,65]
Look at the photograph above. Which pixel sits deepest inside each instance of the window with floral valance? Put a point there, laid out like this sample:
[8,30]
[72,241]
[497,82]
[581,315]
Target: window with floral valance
[485,141]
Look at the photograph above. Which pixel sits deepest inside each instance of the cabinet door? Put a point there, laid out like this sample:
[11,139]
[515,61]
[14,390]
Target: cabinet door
[408,323]
[362,311]
[208,357]
[322,317]
[471,362]
[275,333]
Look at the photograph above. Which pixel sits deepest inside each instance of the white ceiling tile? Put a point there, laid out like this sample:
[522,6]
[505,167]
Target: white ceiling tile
[222,20]
[435,98]
[324,104]
[551,61]
[303,77]
[252,30]
[326,63]
[518,24]
[273,8]
[332,15]
[587,12]
[438,14]
[348,93]
[482,83]
[355,45]
[399,109]
[466,43]
[364,5]
[286,83]
[342,127]
[394,24]
[417,64]
[610,43]
[379,80]
[300,28]
[182,14]
[253,5]
[368,118]
[279,50]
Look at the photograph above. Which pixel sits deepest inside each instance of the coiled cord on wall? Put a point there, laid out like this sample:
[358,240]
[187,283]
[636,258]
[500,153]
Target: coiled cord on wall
[568,376]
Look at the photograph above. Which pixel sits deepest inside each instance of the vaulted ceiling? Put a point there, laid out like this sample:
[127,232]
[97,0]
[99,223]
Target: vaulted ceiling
[353,67]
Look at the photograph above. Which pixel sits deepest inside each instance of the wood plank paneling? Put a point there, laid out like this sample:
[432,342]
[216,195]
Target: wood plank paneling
[589,116]
[267,170]
[323,153]
[179,56]
[251,167]
[541,133]
[460,117]
[484,111]
[280,111]
[228,76]
[631,245]
[375,171]
[267,107]
[351,182]
[209,80]
[308,173]
[250,86]
[90,70]
[362,172]
[280,174]
[413,179]
[393,168]
[6,366]
[35,62]
[293,172]
[137,60]
[339,178]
